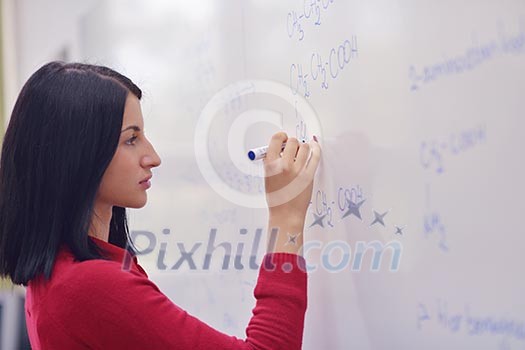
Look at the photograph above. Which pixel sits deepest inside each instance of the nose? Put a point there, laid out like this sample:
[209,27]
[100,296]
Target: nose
[151,159]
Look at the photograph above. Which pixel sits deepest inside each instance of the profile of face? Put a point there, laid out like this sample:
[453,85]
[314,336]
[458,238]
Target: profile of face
[126,179]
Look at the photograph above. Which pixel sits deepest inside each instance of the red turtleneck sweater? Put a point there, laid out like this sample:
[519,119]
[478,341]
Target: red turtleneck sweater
[97,304]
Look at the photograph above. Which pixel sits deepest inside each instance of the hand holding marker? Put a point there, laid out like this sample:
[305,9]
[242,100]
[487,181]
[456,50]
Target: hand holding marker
[260,152]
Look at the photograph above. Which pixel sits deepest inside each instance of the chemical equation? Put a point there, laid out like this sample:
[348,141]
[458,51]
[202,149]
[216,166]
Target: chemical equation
[301,131]
[322,69]
[432,156]
[433,225]
[347,204]
[324,208]
[432,153]
[311,11]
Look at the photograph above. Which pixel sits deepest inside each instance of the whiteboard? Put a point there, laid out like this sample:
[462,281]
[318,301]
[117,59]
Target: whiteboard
[415,233]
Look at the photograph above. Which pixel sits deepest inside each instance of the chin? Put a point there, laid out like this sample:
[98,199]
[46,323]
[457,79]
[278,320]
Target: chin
[136,204]
[139,205]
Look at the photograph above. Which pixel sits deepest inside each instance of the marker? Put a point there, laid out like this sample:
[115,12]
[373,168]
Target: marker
[260,152]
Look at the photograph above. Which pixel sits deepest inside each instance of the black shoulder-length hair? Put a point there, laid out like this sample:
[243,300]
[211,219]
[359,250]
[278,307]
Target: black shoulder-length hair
[62,135]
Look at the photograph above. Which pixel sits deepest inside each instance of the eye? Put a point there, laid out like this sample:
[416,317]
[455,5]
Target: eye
[131,141]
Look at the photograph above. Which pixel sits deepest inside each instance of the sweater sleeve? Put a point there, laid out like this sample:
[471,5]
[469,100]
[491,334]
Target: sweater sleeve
[104,307]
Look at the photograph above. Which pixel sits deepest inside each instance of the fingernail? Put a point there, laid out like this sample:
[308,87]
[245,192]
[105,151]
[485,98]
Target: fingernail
[315,139]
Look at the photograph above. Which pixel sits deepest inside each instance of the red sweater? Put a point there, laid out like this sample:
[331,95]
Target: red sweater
[97,304]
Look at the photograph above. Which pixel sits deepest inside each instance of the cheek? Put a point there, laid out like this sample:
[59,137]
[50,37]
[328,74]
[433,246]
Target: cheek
[109,187]
[116,177]
[120,166]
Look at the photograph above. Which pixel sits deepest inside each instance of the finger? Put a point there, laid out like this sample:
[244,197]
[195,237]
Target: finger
[311,167]
[275,146]
[302,155]
[290,150]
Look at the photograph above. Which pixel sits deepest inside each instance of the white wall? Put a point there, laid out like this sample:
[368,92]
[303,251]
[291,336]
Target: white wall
[44,31]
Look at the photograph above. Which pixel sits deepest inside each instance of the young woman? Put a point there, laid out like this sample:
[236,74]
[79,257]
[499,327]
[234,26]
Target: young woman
[74,156]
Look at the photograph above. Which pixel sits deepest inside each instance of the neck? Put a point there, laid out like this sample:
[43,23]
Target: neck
[100,222]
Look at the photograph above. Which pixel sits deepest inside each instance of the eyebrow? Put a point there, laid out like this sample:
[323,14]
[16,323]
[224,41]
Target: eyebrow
[134,127]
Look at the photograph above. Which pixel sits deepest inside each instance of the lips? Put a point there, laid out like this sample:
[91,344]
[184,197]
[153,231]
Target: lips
[146,179]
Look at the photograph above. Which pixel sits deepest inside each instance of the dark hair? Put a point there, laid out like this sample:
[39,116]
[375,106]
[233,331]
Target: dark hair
[61,137]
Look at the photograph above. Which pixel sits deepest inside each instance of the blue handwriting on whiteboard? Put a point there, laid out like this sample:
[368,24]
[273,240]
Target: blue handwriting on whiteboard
[432,223]
[323,205]
[472,57]
[432,153]
[322,69]
[463,321]
[311,11]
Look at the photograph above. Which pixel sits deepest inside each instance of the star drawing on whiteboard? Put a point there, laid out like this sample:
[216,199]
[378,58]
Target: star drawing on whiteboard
[353,208]
[318,220]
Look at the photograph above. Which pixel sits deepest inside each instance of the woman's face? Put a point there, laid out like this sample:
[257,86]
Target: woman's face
[123,182]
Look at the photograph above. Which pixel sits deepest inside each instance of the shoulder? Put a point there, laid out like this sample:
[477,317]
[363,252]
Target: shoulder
[94,284]
[69,272]
[96,276]
[95,289]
